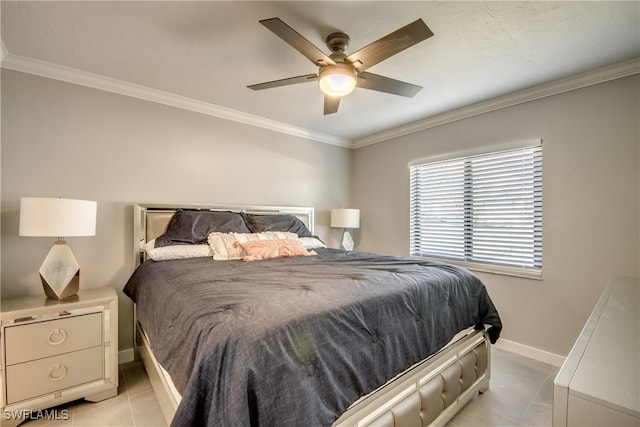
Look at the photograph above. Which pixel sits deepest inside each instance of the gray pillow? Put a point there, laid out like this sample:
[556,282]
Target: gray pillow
[188,226]
[285,222]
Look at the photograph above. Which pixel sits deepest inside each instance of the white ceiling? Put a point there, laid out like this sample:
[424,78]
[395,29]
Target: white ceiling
[210,51]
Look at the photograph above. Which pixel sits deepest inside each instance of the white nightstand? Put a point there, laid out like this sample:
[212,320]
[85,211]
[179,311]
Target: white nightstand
[56,351]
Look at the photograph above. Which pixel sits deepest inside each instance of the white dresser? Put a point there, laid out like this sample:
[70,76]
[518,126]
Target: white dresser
[56,351]
[599,383]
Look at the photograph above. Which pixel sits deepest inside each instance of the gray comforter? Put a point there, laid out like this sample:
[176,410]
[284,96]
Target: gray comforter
[295,341]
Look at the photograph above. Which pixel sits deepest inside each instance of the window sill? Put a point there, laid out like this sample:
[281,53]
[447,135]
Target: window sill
[493,269]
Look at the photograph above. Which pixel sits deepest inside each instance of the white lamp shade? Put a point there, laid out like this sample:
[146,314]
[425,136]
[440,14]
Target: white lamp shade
[52,217]
[345,218]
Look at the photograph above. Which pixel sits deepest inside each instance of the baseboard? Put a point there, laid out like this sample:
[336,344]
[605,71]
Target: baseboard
[530,352]
[125,356]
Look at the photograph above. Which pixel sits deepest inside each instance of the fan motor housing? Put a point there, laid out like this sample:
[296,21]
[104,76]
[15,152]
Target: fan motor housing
[337,42]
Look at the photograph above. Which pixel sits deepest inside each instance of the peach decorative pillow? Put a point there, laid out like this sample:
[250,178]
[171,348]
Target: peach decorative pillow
[224,247]
[266,249]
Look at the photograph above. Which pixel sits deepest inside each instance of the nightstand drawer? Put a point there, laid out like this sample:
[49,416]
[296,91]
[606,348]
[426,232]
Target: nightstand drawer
[31,379]
[43,339]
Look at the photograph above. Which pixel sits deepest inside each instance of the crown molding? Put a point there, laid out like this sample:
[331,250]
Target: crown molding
[578,81]
[97,81]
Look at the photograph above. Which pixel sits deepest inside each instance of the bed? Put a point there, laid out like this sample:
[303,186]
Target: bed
[330,338]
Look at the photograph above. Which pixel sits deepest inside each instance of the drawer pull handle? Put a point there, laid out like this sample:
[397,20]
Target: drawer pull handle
[55,368]
[57,336]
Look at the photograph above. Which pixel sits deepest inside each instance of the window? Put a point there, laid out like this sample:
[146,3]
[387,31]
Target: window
[484,211]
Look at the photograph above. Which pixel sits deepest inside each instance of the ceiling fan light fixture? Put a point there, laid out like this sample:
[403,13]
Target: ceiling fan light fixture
[337,80]
[338,74]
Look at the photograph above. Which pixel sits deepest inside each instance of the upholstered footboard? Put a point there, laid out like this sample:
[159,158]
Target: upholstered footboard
[432,392]
[429,394]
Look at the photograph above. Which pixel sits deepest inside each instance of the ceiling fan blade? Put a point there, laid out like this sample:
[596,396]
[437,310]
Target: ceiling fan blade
[331,104]
[385,84]
[299,43]
[389,45]
[285,82]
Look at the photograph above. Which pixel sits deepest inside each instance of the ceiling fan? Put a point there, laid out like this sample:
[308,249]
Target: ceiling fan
[338,74]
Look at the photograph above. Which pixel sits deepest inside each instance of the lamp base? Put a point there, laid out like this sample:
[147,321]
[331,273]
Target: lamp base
[347,241]
[60,272]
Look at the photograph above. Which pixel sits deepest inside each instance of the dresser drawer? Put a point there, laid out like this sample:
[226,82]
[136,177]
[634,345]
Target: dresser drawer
[49,338]
[39,377]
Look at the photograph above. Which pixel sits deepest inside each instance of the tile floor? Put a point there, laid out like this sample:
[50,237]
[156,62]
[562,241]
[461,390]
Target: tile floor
[521,394]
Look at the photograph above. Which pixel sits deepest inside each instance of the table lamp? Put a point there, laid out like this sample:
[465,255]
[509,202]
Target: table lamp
[345,218]
[57,217]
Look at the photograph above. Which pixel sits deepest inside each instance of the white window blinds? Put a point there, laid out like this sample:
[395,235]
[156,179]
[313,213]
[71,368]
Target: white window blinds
[483,210]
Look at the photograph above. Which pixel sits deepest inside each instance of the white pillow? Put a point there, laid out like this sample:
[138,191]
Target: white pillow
[312,243]
[222,244]
[165,253]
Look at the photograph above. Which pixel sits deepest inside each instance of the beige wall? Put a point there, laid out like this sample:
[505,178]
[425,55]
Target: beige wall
[65,140]
[591,201]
